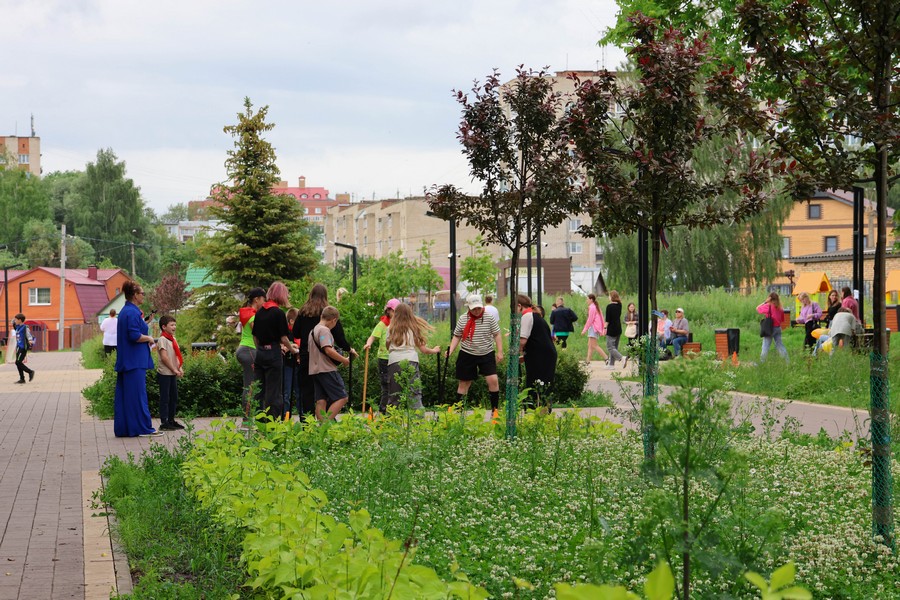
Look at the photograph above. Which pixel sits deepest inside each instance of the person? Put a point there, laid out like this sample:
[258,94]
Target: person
[850,302]
[309,316]
[680,331]
[631,325]
[664,329]
[329,390]
[561,318]
[24,341]
[289,368]
[168,372]
[133,345]
[270,332]
[772,308]
[489,307]
[108,327]
[810,314]
[595,327]
[833,306]
[613,328]
[843,327]
[538,352]
[477,334]
[378,334]
[405,336]
[246,350]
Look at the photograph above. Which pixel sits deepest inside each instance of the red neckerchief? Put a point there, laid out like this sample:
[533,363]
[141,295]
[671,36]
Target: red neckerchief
[525,311]
[469,329]
[386,320]
[171,338]
[270,304]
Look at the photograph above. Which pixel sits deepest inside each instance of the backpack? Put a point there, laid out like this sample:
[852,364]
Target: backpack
[29,338]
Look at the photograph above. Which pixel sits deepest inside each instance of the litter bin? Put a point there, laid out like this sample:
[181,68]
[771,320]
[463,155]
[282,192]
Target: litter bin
[728,342]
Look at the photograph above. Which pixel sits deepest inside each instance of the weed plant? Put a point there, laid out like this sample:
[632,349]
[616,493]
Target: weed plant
[174,547]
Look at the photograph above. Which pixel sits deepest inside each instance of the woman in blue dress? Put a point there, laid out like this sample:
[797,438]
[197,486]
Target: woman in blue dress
[132,413]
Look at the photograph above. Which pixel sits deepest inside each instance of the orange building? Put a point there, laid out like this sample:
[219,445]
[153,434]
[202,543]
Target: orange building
[36,294]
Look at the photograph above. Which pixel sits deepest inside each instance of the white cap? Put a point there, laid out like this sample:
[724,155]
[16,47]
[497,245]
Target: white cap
[474,301]
[681,310]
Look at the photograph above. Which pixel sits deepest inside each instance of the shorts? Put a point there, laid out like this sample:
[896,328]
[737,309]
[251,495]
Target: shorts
[468,365]
[329,386]
[592,333]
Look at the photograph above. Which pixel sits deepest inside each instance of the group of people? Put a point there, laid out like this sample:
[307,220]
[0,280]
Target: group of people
[133,347]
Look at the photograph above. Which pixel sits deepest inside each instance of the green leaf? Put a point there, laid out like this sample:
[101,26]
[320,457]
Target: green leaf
[660,584]
[757,580]
[795,593]
[784,576]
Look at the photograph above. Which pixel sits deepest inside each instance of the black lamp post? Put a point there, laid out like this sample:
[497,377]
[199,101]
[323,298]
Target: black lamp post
[349,247]
[452,258]
[21,283]
[6,298]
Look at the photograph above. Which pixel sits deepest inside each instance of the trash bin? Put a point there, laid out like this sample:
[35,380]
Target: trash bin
[728,342]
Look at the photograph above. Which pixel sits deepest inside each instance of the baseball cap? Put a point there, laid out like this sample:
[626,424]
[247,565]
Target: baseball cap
[681,310]
[391,304]
[474,301]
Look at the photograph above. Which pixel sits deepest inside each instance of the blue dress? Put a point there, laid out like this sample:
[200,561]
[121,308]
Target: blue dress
[132,413]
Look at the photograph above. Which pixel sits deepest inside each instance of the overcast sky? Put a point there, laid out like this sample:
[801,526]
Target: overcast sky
[359,90]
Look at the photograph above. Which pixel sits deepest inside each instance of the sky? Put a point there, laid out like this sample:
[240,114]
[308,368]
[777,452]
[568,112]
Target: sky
[360,91]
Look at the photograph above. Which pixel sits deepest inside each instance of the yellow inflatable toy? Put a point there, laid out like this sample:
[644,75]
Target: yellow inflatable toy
[827,346]
[817,333]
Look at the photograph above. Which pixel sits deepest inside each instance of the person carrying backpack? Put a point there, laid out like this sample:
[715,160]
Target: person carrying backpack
[24,343]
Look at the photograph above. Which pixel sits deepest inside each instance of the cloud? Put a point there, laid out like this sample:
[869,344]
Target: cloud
[359,91]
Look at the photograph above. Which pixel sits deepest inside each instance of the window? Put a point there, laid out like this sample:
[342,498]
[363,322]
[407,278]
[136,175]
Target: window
[304,196]
[814,211]
[24,159]
[831,243]
[866,242]
[317,196]
[574,224]
[785,247]
[575,248]
[38,296]
[318,210]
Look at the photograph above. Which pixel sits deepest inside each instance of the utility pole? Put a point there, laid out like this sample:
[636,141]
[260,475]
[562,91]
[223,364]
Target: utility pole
[133,275]
[62,289]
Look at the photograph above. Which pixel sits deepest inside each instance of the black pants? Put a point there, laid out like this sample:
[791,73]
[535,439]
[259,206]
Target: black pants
[21,353]
[168,397]
[269,374]
[809,341]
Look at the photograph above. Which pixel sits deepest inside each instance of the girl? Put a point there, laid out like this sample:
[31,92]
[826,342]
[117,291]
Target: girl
[833,306]
[595,327]
[379,333]
[631,324]
[772,308]
[405,335]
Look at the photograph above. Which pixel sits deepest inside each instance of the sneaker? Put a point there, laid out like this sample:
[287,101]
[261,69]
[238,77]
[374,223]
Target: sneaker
[175,425]
[495,414]
[21,381]
[31,376]
[166,427]
[152,434]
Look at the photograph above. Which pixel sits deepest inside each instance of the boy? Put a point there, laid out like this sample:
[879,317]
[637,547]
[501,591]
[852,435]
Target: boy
[24,341]
[289,369]
[169,370]
[329,388]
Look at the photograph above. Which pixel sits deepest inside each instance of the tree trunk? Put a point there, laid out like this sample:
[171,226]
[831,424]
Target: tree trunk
[512,356]
[651,361]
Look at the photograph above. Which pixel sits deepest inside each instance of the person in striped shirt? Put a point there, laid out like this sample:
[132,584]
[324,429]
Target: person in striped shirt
[477,334]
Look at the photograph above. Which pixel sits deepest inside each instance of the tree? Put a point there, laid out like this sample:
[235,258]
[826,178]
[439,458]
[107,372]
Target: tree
[175,213]
[640,170]
[169,296]
[22,199]
[516,148]
[62,186]
[42,250]
[108,212]
[424,277]
[264,237]
[478,270]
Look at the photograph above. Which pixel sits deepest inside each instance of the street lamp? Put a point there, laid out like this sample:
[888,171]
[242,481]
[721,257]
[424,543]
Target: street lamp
[21,283]
[452,257]
[6,298]
[349,247]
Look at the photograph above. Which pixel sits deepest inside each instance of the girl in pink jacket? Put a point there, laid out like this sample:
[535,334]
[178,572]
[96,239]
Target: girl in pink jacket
[772,308]
[595,327]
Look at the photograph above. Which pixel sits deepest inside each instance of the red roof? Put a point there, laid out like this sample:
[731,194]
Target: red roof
[91,298]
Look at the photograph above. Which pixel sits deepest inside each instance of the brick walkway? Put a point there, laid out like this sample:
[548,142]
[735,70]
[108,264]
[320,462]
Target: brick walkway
[53,544]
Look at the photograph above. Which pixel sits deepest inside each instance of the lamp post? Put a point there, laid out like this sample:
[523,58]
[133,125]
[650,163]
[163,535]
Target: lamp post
[452,257]
[6,298]
[349,247]
[21,283]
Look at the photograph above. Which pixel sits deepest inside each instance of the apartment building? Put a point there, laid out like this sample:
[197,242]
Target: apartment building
[25,152]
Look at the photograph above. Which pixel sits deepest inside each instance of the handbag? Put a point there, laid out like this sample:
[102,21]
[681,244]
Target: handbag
[631,331]
[767,326]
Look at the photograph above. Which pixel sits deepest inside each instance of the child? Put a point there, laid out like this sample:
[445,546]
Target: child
[24,342]
[290,388]
[380,333]
[170,368]
[330,392]
[404,336]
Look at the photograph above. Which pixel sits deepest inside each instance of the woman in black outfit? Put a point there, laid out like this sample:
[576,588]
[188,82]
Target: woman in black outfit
[613,328]
[834,305]
[539,354]
[270,331]
[561,318]
[307,319]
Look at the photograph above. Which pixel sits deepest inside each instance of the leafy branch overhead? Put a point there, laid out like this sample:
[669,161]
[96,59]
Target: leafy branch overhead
[639,164]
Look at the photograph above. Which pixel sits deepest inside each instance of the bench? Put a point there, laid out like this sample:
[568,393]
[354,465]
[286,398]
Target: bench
[689,348]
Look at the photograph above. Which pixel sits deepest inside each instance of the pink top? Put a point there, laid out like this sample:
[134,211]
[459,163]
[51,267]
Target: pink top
[595,320]
[767,309]
[851,303]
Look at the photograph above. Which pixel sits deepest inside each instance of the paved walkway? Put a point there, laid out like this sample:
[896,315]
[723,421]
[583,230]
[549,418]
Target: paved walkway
[53,543]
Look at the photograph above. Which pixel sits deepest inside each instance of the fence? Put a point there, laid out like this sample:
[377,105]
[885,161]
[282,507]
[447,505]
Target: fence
[78,334]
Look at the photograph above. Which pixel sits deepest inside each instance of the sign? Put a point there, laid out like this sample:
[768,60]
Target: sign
[442,305]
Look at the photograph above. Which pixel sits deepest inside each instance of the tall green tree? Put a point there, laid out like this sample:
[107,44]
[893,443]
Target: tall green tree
[62,186]
[517,150]
[264,237]
[110,214]
[478,270]
[22,199]
[44,245]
